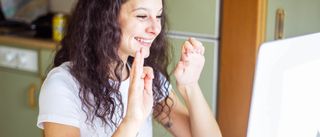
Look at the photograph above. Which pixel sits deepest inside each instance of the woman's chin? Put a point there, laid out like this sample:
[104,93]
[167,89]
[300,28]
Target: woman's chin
[146,55]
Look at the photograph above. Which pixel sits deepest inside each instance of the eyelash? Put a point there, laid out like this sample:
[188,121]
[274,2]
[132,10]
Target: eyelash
[144,16]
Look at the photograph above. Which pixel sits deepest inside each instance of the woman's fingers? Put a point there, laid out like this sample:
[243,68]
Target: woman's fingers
[186,50]
[140,99]
[148,73]
[189,67]
[191,46]
[137,66]
[134,65]
[142,76]
[197,45]
[188,46]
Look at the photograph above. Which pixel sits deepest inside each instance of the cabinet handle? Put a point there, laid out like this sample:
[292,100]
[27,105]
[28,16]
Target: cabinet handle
[31,96]
[279,24]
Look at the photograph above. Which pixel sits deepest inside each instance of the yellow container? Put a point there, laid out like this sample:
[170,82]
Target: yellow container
[59,23]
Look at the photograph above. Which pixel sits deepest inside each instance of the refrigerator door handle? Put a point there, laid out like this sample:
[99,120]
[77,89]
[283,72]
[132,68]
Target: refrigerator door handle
[31,96]
[279,29]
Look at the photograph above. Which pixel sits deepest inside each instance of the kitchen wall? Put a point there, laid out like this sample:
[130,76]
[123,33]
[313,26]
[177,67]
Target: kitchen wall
[64,6]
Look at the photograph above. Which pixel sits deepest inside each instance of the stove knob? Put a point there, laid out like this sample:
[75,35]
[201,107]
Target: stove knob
[9,57]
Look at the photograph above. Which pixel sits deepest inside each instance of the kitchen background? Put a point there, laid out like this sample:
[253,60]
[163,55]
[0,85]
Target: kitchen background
[25,60]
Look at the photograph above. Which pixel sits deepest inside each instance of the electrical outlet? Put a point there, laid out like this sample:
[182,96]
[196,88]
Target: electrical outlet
[19,58]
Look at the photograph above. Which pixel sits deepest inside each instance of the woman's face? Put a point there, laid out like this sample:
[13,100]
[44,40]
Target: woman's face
[140,23]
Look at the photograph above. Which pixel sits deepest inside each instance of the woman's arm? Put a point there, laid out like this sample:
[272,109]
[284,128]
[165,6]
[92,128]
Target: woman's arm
[179,123]
[198,116]
[202,121]
[126,129]
[60,130]
[184,124]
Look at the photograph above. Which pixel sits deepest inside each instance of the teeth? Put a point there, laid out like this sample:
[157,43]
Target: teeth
[144,40]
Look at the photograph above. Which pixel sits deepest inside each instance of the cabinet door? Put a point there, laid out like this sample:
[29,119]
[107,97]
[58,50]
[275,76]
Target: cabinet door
[207,80]
[199,19]
[17,118]
[207,75]
[194,16]
[301,17]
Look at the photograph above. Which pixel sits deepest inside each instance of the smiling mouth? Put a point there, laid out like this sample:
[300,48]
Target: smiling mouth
[145,42]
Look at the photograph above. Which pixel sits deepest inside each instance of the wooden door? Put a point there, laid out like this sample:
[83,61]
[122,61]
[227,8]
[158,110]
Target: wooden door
[242,31]
[245,25]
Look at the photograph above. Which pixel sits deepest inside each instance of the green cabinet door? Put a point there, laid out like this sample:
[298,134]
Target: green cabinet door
[194,16]
[301,17]
[207,80]
[199,19]
[18,118]
[207,75]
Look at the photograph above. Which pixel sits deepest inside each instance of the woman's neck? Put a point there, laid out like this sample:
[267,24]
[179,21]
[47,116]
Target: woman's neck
[125,72]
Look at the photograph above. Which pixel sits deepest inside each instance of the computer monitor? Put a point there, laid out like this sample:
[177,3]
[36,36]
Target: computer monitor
[286,92]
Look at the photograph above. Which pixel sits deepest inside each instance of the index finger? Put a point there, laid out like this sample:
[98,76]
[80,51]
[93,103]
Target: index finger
[137,66]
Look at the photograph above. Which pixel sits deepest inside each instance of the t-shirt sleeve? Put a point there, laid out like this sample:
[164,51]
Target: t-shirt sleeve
[58,100]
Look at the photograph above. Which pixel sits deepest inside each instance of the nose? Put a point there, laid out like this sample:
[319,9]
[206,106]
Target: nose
[154,26]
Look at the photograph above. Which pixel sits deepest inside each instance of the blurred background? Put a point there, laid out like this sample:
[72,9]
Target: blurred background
[231,31]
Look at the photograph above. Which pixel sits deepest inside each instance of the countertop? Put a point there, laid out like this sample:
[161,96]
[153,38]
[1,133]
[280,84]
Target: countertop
[27,42]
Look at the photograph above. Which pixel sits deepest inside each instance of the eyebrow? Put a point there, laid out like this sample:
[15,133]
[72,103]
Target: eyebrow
[141,8]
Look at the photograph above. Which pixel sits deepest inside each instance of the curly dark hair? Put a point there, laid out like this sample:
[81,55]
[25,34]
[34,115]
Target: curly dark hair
[91,45]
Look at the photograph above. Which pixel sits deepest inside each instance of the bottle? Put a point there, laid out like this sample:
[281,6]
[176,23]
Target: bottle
[59,22]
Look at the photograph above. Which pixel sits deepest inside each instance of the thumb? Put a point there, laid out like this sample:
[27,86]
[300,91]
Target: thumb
[148,79]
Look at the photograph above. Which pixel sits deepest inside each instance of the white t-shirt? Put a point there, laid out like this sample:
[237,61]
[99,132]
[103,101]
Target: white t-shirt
[59,102]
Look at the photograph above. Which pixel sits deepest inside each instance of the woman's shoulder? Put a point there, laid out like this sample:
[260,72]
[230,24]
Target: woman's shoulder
[61,76]
[63,68]
[61,71]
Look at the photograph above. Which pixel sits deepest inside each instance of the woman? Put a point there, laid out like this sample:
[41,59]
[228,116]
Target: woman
[97,88]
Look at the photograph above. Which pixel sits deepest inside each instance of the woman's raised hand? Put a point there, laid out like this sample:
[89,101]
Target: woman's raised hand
[188,69]
[140,100]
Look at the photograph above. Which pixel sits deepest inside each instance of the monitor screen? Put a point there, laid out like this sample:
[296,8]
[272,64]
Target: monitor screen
[286,92]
